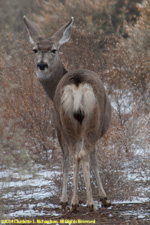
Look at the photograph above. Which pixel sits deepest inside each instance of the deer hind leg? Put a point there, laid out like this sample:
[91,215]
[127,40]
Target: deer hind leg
[86,172]
[101,191]
[74,200]
[66,165]
[64,198]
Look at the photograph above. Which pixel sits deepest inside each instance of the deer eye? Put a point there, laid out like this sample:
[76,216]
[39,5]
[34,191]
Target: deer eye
[35,50]
[54,51]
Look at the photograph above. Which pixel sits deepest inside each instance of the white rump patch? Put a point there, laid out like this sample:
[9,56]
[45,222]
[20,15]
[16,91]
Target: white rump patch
[78,98]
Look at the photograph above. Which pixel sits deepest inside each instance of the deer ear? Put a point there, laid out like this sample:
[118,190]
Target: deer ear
[33,32]
[63,34]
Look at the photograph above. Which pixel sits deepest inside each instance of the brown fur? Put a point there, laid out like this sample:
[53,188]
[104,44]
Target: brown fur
[82,111]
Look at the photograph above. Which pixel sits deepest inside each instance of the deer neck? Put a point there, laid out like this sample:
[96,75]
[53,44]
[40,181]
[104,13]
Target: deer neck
[51,81]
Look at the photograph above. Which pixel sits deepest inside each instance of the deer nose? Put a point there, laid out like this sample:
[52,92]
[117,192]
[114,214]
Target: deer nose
[42,65]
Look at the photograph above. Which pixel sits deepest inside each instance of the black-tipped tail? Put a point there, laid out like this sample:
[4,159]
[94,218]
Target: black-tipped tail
[79,116]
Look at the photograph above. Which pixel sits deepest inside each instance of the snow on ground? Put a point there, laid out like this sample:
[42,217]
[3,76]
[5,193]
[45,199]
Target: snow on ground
[28,194]
[18,189]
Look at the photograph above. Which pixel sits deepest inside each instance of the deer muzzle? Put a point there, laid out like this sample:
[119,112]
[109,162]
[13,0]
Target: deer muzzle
[42,65]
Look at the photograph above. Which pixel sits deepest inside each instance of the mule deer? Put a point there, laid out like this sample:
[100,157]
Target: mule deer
[82,111]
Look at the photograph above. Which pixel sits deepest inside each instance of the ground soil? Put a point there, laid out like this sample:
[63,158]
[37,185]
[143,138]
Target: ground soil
[27,197]
[117,214]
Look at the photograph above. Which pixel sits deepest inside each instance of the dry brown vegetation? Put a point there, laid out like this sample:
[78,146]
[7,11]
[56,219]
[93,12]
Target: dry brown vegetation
[97,44]
[110,37]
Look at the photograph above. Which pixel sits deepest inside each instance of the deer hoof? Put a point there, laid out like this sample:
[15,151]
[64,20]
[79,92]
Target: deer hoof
[92,208]
[74,208]
[105,203]
[63,205]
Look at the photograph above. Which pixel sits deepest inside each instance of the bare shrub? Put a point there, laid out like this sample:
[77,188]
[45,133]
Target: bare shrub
[122,64]
[129,61]
[13,149]
[25,102]
[95,16]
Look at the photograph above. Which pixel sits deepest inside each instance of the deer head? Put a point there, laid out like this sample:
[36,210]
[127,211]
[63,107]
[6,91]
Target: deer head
[46,49]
